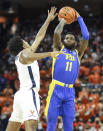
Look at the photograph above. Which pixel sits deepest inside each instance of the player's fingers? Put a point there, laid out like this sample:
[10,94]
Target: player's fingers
[56,57]
[56,14]
[62,52]
[51,9]
[69,23]
[23,40]
[55,9]
[59,18]
[48,11]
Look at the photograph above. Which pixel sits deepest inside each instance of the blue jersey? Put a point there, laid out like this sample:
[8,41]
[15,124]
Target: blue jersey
[61,92]
[66,67]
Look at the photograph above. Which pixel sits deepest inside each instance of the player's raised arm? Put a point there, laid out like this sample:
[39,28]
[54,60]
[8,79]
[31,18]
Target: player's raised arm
[40,35]
[28,55]
[57,35]
[84,42]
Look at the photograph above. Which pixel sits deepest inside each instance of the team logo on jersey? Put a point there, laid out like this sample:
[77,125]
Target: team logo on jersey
[32,112]
[70,57]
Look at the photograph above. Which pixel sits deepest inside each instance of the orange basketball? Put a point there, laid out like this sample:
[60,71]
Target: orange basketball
[68,13]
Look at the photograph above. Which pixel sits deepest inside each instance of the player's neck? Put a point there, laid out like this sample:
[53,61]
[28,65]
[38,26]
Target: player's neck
[71,48]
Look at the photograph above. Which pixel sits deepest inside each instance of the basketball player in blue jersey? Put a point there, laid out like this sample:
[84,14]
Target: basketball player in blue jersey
[61,95]
[26,104]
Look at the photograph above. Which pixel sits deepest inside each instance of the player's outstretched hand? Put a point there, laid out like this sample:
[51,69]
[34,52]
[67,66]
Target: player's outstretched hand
[52,13]
[56,53]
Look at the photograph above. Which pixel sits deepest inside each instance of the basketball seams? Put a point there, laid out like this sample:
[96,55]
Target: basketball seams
[61,15]
[74,13]
[68,16]
[71,19]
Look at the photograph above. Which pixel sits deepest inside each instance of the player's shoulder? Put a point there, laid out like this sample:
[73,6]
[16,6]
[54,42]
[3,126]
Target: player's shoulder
[23,56]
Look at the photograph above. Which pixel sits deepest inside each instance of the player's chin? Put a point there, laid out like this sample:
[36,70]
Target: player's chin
[68,44]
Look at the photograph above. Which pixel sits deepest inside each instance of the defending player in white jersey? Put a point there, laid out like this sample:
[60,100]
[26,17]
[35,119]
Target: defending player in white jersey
[26,101]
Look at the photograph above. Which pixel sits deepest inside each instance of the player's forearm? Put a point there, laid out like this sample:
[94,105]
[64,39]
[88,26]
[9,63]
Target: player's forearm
[38,56]
[57,35]
[40,36]
[83,27]
[43,29]
[59,27]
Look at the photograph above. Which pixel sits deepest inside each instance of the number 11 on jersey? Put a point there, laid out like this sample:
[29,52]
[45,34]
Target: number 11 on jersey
[68,66]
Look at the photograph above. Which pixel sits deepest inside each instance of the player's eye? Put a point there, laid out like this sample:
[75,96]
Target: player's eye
[66,37]
[72,38]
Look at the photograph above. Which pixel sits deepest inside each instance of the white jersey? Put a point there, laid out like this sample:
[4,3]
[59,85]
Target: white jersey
[29,75]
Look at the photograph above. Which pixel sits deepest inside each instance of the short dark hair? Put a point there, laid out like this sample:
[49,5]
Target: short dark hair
[15,45]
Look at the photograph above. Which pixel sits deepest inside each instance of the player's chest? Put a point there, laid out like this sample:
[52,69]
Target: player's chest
[67,62]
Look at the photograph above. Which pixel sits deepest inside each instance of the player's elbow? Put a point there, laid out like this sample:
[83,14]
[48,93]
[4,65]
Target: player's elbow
[56,33]
[86,36]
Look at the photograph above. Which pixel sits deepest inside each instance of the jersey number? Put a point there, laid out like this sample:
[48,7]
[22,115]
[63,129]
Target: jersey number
[68,66]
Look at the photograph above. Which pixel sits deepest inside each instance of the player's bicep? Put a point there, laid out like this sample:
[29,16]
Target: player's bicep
[82,47]
[57,44]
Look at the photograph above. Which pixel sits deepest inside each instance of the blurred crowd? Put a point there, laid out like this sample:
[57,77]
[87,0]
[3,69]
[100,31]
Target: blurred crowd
[88,87]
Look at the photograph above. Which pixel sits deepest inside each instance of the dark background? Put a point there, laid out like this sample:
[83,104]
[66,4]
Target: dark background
[31,10]
[34,7]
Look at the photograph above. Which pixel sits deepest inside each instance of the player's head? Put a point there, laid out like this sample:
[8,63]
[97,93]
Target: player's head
[70,40]
[16,44]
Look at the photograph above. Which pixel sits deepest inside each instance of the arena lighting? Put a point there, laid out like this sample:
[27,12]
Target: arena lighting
[91,14]
[86,8]
[11,10]
[75,0]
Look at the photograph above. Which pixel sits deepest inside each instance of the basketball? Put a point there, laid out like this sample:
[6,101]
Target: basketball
[68,13]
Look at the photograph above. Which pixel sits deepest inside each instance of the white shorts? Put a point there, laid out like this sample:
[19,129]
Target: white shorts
[26,106]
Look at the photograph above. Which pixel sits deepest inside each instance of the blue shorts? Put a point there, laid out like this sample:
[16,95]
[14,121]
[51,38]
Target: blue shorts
[60,102]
